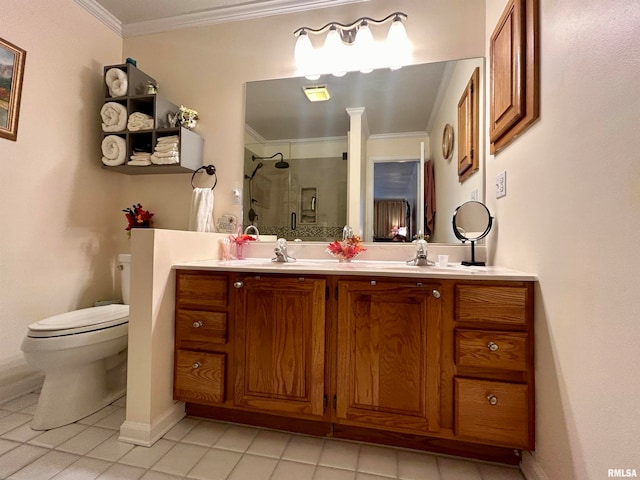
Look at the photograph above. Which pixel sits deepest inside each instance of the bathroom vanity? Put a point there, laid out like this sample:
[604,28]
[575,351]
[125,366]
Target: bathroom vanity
[425,358]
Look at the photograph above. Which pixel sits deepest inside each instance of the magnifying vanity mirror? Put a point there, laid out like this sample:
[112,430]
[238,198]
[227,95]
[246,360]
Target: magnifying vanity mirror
[331,181]
[472,222]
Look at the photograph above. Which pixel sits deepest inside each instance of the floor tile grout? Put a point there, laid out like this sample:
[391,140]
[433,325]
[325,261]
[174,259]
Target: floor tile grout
[235,435]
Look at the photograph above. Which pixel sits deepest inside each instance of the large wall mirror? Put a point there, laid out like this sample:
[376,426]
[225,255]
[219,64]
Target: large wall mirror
[308,170]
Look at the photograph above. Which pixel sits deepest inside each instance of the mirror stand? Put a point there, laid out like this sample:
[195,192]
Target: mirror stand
[473,257]
[472,222]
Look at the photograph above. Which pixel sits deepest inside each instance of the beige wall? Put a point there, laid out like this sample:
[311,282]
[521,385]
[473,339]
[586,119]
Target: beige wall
[60,212]
[450,193]
[571,215]
[206,68]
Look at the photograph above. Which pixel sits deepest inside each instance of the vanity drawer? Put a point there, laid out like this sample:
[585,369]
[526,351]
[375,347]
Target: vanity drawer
[199,377]
[196,329]
[482,348]
[494,412]
[199,290]
[489,303]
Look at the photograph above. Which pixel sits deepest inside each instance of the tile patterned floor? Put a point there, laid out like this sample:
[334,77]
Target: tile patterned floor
[206,450]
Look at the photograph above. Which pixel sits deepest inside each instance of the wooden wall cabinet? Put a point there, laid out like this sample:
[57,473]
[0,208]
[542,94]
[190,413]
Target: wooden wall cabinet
[438,365]
[191,145]
[468,128]
[514,73]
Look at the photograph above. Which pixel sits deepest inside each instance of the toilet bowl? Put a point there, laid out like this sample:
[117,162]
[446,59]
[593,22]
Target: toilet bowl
[83,355]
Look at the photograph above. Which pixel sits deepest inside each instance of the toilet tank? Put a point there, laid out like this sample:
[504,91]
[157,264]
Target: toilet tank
[124,265]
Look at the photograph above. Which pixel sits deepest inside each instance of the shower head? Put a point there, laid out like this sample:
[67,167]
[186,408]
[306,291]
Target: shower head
[279,164]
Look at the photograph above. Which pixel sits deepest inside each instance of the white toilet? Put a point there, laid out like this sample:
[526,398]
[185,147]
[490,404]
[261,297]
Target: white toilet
[83,355]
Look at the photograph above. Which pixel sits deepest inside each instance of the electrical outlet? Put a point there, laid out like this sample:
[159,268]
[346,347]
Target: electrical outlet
[474,195]
[501,184]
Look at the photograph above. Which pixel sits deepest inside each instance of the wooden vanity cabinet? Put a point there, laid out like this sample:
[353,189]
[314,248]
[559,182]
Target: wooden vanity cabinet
[280,345]
[201,337]
[388,355]
[493,357]
[441,365]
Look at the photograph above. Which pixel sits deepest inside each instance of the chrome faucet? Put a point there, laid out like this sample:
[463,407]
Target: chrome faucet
[254,228]
[280,252]
[420,259]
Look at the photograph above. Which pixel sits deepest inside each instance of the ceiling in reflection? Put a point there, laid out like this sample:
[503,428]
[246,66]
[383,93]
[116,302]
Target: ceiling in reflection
[398,101]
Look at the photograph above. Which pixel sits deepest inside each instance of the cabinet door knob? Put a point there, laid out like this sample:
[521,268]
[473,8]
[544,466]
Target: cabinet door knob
[435,293]
[196,365]
[493,400]
[238,284]
[492,346]
[197,324]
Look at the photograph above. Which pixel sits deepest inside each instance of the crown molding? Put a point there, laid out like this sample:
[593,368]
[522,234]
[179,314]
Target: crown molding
[211,17]
[101,14]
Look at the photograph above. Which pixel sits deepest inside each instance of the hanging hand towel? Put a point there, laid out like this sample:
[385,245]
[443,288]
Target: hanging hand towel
[114,117]
[201,214]
[114,150]
[116,81]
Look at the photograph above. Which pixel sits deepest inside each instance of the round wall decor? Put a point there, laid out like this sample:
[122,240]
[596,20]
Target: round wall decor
[447,141]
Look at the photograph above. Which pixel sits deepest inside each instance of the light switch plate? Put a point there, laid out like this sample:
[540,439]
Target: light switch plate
[501,184]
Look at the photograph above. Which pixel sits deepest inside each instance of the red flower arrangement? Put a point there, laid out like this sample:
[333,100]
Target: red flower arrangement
[346,249]
[239,241]
[137,217]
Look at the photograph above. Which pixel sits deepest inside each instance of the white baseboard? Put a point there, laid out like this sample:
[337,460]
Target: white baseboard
[146,434]
[530,468]
[17,379]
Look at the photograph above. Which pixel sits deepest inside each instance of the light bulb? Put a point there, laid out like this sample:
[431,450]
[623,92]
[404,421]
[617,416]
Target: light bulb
[333,53]
[304,53]
[364,46]
[398,47]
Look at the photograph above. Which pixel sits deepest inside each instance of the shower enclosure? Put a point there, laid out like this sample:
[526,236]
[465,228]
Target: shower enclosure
[294,198]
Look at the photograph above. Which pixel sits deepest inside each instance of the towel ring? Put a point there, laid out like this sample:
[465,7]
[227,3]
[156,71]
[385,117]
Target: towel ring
[211,170]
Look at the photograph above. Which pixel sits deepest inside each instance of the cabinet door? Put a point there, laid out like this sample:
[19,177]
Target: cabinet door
[280,332]
[388,363]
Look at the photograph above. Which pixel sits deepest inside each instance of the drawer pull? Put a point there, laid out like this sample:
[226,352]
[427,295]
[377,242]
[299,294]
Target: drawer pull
[197,324]
[493,400]
[196,365]
[492,346]
[238,284]
[435,293]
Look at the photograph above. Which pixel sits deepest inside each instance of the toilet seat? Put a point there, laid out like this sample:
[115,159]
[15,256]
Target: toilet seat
[80,321]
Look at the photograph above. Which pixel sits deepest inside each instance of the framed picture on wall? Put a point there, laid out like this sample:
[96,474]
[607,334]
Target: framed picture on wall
[12,60]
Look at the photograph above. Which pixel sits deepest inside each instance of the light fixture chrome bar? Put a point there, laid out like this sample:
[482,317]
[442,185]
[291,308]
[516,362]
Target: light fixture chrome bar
[351,26]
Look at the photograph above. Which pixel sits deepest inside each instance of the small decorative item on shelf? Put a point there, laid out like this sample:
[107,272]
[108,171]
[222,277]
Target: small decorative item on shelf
[152,88]
[137,217]
[239,241]
[172,118]
[350,247]
[187,117]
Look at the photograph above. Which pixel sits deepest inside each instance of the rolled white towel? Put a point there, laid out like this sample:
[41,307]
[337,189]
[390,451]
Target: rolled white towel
[116,81]
[114,150]
[139,121]
[114,117]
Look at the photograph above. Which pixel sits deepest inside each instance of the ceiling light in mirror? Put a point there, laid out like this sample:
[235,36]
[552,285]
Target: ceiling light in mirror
[318,93]
[398,47]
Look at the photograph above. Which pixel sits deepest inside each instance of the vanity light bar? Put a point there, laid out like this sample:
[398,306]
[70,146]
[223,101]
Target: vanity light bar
[352,47]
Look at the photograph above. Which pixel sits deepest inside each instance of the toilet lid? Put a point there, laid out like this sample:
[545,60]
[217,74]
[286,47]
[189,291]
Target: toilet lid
[83,320]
